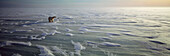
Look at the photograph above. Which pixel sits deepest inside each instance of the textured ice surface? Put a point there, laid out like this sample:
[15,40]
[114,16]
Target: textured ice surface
[67,17]
[50,33]
[69,34]
[71,53]
[113,34]
[92,44]
[105,38]
[110,44]
[22,30]
[6,43]
[36,37]
[81,32]
[68,30]
[56,49]
[57,24]
[131,28]
[16,54]
[101,25]
[83,29]
[44,51]
[20,43]
[78,47]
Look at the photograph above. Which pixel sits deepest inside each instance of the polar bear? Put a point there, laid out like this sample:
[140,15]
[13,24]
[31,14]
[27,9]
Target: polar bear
[51,19]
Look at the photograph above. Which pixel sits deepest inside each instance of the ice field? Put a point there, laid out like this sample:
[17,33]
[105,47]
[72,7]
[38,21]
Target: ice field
[119,31]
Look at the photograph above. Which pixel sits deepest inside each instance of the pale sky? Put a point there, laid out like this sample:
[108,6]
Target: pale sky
[84,3]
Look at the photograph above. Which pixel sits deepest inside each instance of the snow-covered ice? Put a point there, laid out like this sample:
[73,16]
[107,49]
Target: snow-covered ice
[78,47]
[8,43]
[68,30]
[16,54]
[110,44]
[109,31]
[44,51]
[56,49]
[69,34]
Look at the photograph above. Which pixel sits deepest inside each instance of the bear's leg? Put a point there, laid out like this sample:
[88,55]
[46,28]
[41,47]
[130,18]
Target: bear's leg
[52,20]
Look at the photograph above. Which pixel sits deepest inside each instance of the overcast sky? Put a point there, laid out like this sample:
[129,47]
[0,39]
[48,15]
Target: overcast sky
[84,3]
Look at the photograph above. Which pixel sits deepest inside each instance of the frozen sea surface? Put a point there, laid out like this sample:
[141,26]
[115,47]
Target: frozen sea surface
[130,31]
